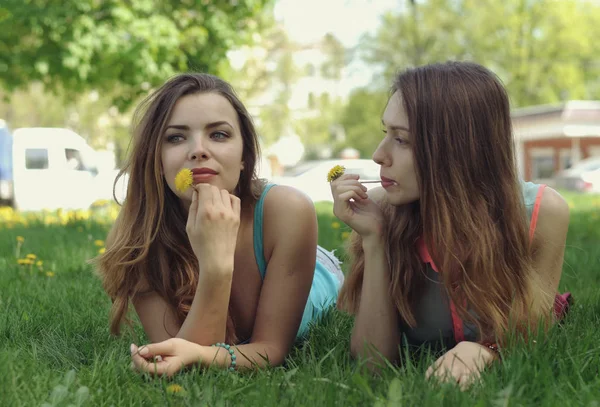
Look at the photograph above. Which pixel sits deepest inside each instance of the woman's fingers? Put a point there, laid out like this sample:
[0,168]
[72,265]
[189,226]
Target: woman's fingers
[156,349]
[235,205]
[346,196]
[193,208]
[359,189]
[156,367]
[225,198]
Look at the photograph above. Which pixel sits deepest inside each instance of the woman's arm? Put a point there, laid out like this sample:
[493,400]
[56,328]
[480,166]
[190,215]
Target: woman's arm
[160,322]
[212,228]
[376,332]
[550,238]
[290,241]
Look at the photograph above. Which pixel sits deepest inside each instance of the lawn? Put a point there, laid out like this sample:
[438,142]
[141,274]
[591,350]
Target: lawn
[55,347]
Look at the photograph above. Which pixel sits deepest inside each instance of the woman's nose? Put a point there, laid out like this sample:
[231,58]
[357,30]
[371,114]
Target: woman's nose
[380,156]
[197,149]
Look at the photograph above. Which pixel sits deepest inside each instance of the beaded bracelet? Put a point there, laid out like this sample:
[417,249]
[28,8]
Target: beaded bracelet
[231,353]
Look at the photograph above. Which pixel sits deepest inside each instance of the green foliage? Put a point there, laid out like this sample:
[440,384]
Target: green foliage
[544,50]
[130,45]
[56,349]
[362,120]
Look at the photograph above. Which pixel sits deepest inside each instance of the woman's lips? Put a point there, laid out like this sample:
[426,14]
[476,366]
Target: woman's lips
[202,177]
[202,174]
[387,182]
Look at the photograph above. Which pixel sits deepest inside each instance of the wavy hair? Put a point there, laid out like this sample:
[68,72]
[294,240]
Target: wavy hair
[149,237]
[470,213]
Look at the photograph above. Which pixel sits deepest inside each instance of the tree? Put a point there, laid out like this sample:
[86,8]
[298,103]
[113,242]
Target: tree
[361,120]
[544,50]
[131,45]
[321,130]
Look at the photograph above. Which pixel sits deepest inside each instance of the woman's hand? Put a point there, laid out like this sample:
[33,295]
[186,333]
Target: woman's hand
[462,364]
[352,205]
[212,226]
[165,358]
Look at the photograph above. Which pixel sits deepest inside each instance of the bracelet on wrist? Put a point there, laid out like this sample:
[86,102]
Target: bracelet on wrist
[229,349]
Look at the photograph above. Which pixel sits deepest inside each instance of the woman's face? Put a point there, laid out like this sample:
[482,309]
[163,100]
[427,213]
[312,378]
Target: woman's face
[395,156]
[203,135]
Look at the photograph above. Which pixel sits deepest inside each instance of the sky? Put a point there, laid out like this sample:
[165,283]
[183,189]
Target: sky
[307,21]
[310,20]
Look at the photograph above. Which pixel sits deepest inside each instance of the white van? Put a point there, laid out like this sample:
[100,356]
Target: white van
[52,168]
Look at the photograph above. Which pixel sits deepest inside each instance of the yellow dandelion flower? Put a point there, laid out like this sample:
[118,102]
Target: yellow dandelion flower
[99,243]
[39,263]
[336,172]
[31,256]
[22,262]
[20,239]
[49,273]
[335,225]
[174,388]
[102,250]
[345,235]
[183,180]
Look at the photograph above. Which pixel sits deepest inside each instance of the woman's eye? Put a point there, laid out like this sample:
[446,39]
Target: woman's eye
[174,138]
[219,135]
[401,141]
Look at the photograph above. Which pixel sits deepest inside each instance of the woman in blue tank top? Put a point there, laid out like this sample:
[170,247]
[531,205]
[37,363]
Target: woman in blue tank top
[221,269]
[454,250]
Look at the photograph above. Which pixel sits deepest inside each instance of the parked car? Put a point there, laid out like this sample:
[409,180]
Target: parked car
[310,177]
[584,176]
[52,168]
[6,165]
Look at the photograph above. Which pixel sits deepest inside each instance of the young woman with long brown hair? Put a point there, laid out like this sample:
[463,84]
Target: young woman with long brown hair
[227,272]
[454,250]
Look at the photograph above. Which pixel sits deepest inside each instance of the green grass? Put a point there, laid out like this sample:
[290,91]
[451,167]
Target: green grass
[50,326]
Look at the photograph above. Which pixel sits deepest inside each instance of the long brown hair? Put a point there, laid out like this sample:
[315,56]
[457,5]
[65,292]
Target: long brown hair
[148,238]
[470,212]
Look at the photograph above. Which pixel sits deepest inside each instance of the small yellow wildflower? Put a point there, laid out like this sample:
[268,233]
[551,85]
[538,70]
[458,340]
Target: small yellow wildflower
[335,225]
[345,235]
[49,273]
[102,250]
[31,256]
[183,180]
[39,263]
[99,243]
[336,172]
[22,262]
[174,388]
[20,239]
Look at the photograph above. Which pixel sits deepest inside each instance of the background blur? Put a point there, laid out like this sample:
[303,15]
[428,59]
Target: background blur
[314,74]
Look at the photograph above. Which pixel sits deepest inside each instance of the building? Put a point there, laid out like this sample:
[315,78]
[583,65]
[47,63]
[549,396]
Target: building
[550,138]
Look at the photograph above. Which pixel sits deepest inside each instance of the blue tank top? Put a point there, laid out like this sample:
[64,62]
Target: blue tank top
[325,285]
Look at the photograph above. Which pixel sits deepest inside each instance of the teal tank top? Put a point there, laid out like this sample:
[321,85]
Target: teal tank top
[325,286]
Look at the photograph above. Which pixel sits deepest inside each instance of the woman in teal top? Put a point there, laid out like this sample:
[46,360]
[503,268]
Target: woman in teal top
[453,249]
[221,269]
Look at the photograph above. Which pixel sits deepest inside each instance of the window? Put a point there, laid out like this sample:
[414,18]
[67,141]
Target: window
[542,167]
[74,161]
[36,158]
